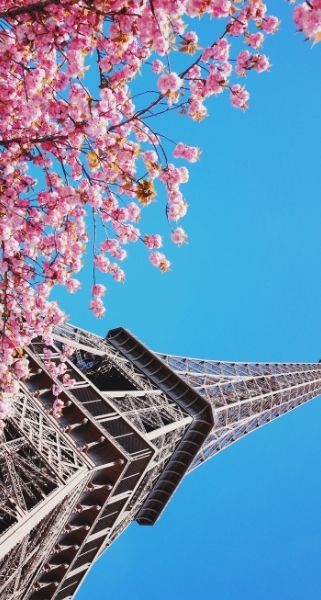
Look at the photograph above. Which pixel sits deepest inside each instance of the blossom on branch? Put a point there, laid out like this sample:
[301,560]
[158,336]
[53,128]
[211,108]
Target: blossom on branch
[78,146]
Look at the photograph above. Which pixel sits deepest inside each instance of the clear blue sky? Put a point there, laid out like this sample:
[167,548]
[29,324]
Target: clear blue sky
[247,525]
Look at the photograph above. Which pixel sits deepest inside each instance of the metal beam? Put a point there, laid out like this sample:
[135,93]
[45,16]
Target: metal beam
[15,534]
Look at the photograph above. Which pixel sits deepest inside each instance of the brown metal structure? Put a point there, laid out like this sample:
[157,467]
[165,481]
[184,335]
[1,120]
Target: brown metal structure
[134,423]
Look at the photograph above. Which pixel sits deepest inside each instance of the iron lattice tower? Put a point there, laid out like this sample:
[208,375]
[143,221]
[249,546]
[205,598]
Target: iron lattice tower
[134,423]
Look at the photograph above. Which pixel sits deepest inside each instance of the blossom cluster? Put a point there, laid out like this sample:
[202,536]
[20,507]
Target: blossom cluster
[307,17]
[76,143]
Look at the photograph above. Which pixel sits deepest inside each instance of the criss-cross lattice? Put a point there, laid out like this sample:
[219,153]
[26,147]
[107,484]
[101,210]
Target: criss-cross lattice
[134,423]
[245,396]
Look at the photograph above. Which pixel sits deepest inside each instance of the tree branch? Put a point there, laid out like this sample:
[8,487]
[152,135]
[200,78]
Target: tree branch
[36,7]
[39,140]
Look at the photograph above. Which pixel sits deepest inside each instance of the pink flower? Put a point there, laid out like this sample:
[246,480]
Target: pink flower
[244,62]
[270,24]
[220,8]
[221,50]
[197,111]
[102,262]
[56,390]
[58,403]
[262,63]
[133,212]
[239,96]
[110,159]
[97,307]
[110,245]
[254,39]
[72,285]
[179,236]
[177,210]
[190,153]
[157,66]
[21,367]
[68,381]
[57,408]
[117,273]
[98,290]
[159,260]
[153,241]
[169,83]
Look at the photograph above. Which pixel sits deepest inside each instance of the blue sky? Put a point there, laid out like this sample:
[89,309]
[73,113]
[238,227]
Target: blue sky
[246,287]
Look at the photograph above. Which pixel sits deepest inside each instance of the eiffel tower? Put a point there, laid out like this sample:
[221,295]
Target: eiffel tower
[134,423]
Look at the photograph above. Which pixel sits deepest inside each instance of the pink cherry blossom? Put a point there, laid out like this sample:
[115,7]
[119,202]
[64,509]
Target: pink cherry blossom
[96,305]
[102,262]
[57,408]
[56,390]
[190,153]
[179,236]
[98,290]
[239,96]
[158,66]
[169,83]
[68,381]
[21,368]
[270,24]
[254,39]
[158,259]
[95,150]
[153,241]
[72,285]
